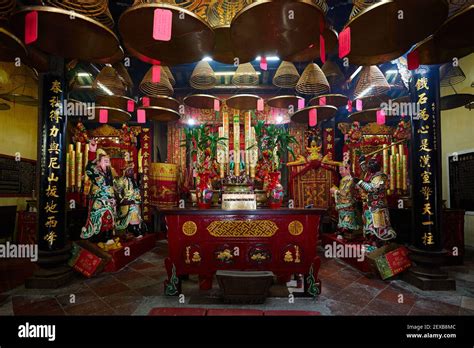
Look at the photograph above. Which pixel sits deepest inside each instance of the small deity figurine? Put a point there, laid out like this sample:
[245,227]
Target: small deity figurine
[348,224]
[314,152]
[101,217]
[377,228]
[129,196]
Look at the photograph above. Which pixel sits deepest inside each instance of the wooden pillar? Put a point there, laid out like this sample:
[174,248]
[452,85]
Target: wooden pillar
[51,229]
[426,250]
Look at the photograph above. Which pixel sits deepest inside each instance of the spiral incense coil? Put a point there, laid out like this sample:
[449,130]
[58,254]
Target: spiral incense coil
[333,73]
[322,5]
[360,5]
[6,8]
[312,81]
[123,74]
[108,82]
[221,12]
[286,75]
[371,83]
[203,77]
[18,85]
[245,75]
[168,72]
[150,88]
[450,75]
[106,19]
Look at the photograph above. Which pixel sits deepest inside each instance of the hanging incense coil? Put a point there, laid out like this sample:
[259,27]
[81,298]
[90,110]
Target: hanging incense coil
[245,75]
[371,47]
[168,72]
[106,19]
[452,39]
[312,81]
[286,75]
[108,82]
[150,88]
[21,86]
[203,77]
[219,15]
[450,75]
[123,74]
[333,73]
[263,29]
[191,38]
[371,83]
[221,12]
[6,8]
[11,46]
[360,5]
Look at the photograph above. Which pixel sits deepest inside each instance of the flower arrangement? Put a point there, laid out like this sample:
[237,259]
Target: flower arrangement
[354,135]
[274,141]
[202,142]
[402,131]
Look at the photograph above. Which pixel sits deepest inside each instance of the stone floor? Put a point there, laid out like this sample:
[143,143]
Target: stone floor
[138,288]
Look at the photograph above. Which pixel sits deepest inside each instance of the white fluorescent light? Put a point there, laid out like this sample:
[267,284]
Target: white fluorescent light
[269,58]
[279,119]
[207,59]
[391,71]
[229,73]
[106,90]
[191,122]
[355,73]
[367,90]
[83,74]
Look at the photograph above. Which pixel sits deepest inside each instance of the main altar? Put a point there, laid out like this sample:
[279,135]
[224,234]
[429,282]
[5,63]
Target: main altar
[279,240]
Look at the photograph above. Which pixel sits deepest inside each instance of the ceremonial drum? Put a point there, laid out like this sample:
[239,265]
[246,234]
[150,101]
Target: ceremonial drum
[164,184]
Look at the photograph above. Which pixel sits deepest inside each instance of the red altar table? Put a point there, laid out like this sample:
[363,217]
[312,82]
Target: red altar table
[283,241]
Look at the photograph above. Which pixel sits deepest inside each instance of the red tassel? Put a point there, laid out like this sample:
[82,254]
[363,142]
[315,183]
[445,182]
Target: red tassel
[380,117]
[345,42]
[141,116]
[31,27]
[322,101]
[322,48]
[260,105]
[146,102]
[359,105]
[300,104]
[130,106]
[413,59]
[263,63]
[217,105]
[156,74]
[313,117]
[349,105]
[103,116]
[162,24]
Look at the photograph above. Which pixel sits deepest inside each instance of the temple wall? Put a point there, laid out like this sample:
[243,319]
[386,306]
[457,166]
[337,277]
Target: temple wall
[457,134]
[18,133]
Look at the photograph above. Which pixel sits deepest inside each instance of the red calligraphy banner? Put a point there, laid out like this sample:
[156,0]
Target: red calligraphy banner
[145,142]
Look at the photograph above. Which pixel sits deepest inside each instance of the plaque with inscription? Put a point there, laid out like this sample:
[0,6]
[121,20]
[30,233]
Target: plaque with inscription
[17,178]
[461,181]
